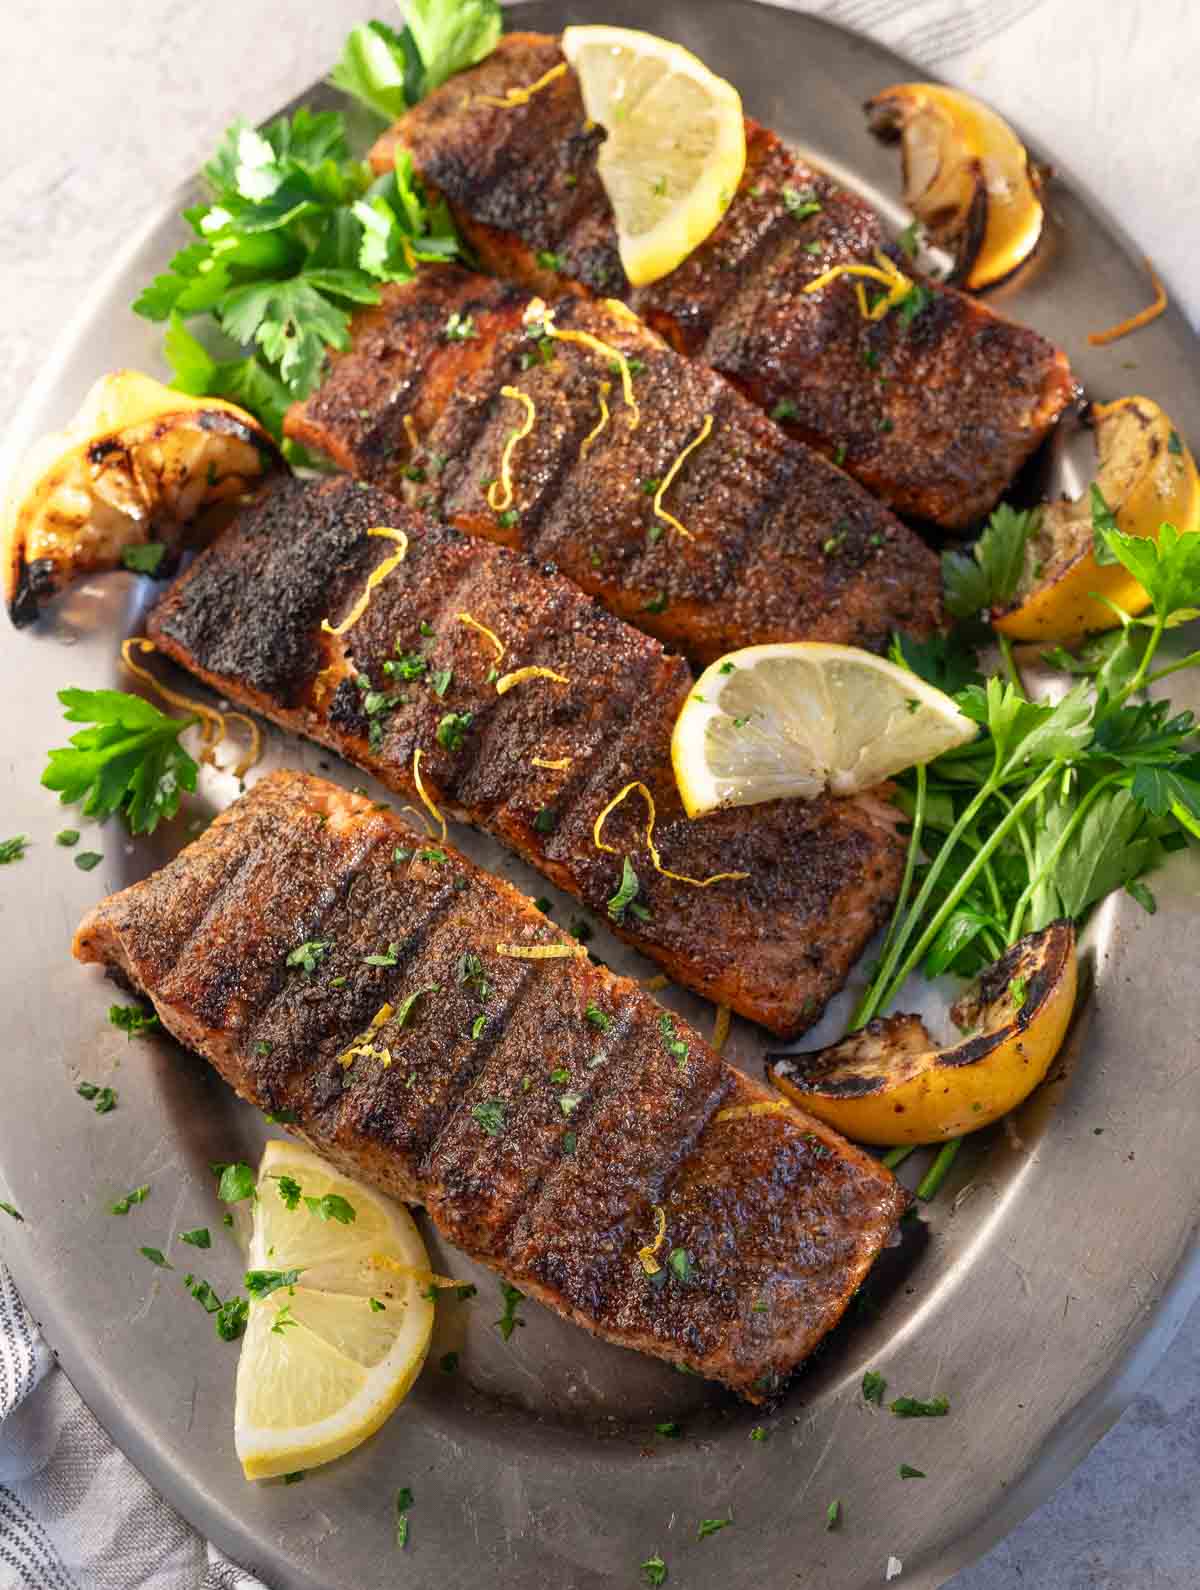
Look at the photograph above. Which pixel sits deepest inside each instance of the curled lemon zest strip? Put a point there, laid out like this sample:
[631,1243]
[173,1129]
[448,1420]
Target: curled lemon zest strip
[380,572]
[539,952]
[647,1254]
[430,807]
[623,312]
[520,675]
[679,877]
[737,1112]
[465,618]
[1098,339]
[659,980]
[503,502]
[363,1045]
[536,310]
[212,722]
[558,764]
[254,750]
[518,96]
[702,435]
[721,1028]
[418,813]
[410,430]
[884,270]
[605,389]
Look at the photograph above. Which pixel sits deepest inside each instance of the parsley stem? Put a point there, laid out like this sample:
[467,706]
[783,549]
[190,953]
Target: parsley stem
[897,1156]
[1038,877]
[1139,678]
[939,1170]
[910,866]
[891,976]
[1010,664]
[1190,661]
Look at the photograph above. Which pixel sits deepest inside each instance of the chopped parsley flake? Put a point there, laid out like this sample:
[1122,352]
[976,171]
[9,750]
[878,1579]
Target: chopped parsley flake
[283,1318]
[308,955]
[459,328]
[289,1191]
[568,1103]
[10,1209]
[657,604]
[758,1433]
[833,1515]
[85,860]
[1018,992]
[626,891]
[477,1027]
[655,1570]
[404,1500]
[198,1237]
[546,820]
[597,1017]
[439,680]
[914,1408]
[489,1113]
[387,959]
[104,1099]
[236,1182]
[408,665]
[137,1196]
[67,836]
[452,730]
[674,1043]
[907,1472]
[508,1321]
[710,1526]
[155,1255]
[670,1430]
[261,1283]
[800,203]
[549,261]
[332,1207]
[873,1387]
[231,1318]
[376,1306]
[13,849]
[507,519]
[683,1265]
[132,1019]
[449,1363]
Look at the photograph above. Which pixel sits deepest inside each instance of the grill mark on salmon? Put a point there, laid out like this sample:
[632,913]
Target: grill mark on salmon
[936,425]
[246,618]
[784,545]
[782,1218]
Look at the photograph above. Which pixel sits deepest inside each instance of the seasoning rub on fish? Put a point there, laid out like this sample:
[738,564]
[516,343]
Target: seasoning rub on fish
[934,410]
[419,672]
[435,1071]
[577,435]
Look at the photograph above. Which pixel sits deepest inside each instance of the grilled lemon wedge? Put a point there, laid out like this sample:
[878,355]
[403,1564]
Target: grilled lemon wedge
[676,144]
[800,717]
[1146,476]
[137,464]
[327,1357]
[967,177]
[891,1084]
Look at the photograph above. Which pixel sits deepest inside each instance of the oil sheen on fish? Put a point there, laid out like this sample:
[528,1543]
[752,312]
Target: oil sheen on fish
[933,413]
[748,537]
[534,766]
[555,1184]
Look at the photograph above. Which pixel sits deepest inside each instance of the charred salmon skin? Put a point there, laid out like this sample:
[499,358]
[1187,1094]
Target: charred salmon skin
[537,764]
[656,487]
[933,410]
[651,1144]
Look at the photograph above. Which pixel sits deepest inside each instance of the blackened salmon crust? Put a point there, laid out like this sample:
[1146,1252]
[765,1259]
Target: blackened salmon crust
[412,675]
[553,1183]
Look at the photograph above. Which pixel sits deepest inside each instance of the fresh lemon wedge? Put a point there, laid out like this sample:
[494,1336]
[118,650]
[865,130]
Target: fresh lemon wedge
[676,144]
[326,1359]
[801,717]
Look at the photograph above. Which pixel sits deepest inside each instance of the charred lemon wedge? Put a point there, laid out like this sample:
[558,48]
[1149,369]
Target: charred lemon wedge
[890,1084]
[138,464]
[967,177]
[1146,476]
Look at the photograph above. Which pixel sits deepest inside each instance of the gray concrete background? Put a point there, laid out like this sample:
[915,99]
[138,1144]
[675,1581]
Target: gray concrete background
[107,107]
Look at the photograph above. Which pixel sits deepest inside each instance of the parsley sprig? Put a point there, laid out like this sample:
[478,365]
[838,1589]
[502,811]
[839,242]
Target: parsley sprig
[295,231]
[130,761]
[1055,805]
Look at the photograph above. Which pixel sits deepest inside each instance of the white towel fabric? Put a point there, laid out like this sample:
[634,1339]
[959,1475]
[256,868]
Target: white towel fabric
[74,1512]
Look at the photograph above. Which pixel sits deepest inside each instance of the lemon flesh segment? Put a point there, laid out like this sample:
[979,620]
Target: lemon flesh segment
[1146,475]
[675,148]
[320,1367]
[798,718]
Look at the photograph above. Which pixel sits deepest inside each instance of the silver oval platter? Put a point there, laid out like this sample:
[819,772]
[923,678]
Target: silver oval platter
[1053,1266]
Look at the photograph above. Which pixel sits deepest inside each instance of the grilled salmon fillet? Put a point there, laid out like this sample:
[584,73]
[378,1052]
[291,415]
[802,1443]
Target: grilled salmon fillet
[934,414]
[554,1185]
[412,674]
[767,539]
